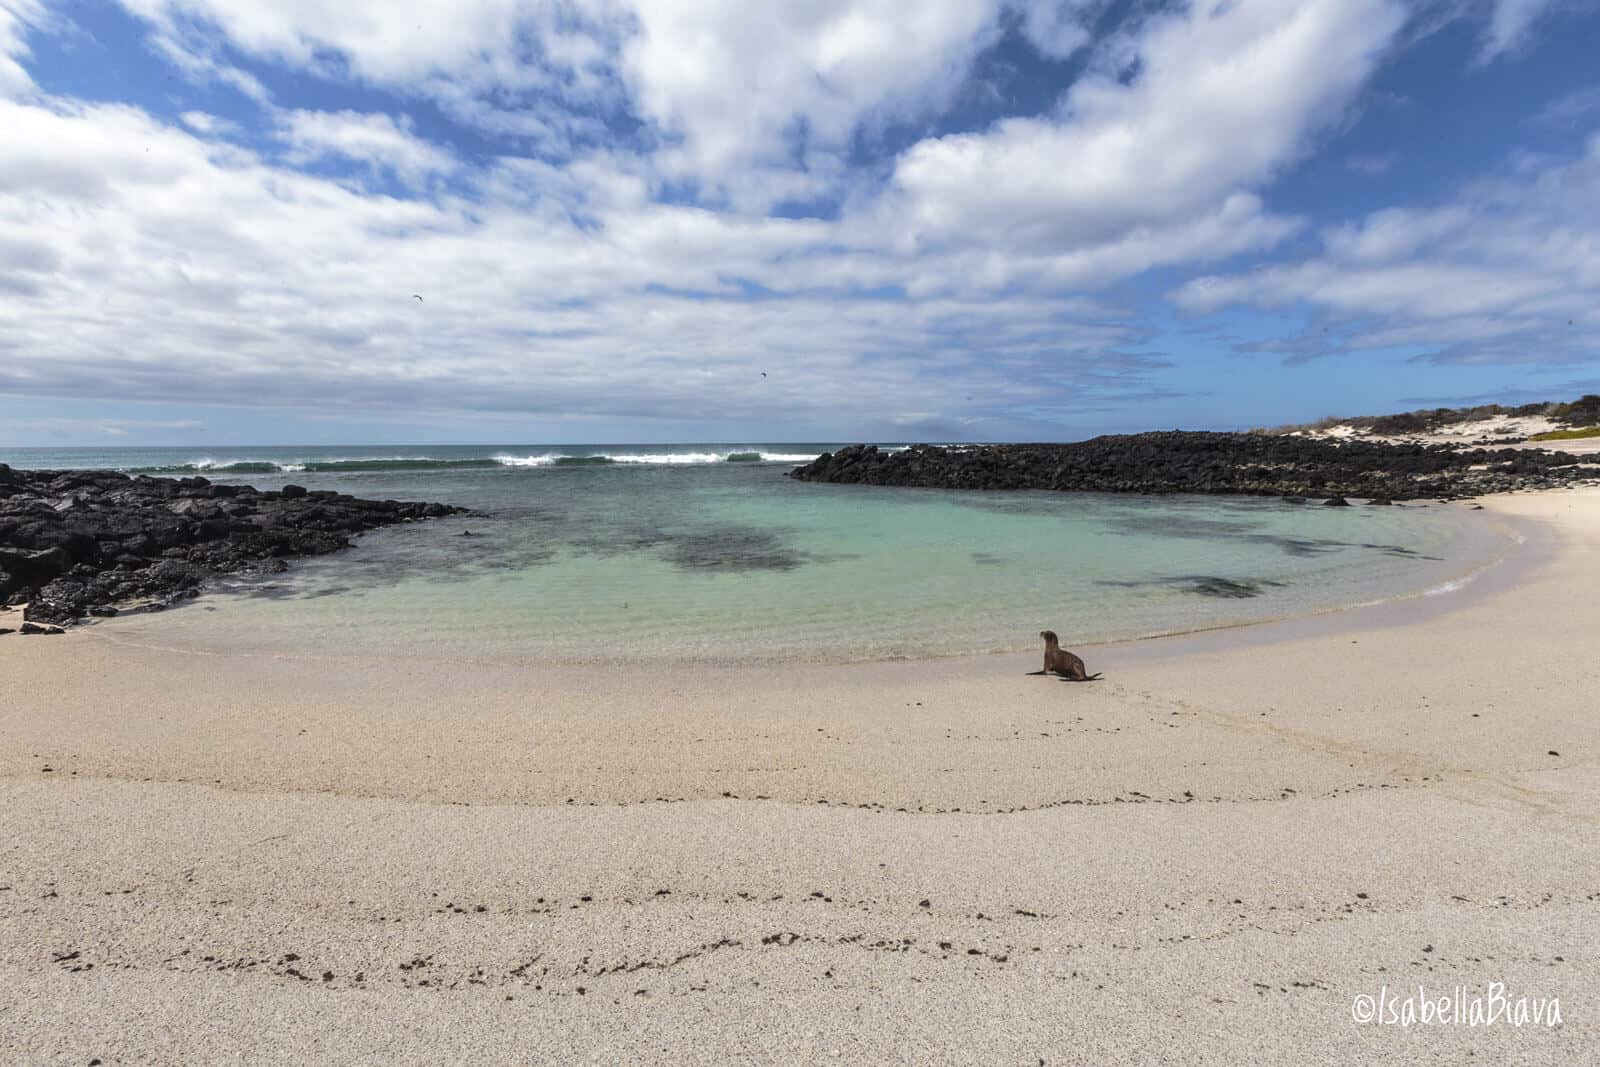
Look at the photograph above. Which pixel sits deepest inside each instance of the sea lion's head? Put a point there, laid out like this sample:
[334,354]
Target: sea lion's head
[1048,635]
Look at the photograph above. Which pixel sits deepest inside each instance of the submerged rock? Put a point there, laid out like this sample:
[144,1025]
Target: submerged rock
[1225,588]
[77,543]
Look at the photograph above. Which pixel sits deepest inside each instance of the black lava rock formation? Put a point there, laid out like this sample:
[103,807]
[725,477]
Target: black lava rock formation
[1198,462]
[78,543]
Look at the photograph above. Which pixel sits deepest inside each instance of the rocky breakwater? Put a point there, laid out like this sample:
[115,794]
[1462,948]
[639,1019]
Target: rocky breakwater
[1199,462]
[79,543]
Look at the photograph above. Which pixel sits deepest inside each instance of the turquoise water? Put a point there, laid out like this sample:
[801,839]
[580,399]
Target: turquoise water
[691,555]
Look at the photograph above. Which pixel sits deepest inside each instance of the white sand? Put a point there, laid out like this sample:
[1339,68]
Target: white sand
[1465,434]
[1202,859]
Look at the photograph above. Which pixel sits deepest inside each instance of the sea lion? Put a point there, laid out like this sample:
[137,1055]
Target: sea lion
[1058,660]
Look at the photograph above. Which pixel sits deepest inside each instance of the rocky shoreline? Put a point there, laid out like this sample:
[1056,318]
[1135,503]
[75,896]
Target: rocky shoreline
[96,543]
[1296,468]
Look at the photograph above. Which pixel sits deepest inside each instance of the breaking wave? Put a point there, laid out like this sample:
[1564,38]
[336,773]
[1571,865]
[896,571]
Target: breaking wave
[498,460]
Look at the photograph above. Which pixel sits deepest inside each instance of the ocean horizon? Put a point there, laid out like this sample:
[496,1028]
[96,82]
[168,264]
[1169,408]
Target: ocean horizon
[348,458]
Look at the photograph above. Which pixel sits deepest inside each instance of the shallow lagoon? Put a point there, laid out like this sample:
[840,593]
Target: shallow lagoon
[691,556]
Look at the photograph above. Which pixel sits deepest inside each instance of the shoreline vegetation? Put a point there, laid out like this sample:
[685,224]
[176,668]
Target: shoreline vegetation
[1580,414]
[1566,435]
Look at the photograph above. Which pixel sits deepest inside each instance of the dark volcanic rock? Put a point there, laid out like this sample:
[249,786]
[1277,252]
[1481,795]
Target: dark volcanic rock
[1176,461]
[76,543]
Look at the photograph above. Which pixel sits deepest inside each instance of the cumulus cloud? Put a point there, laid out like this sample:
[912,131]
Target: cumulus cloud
[753,103]
[15,18]
[605,242]
[1509,271]
[377,141]
[513,66]
[1058,28]
[206,124]
[380,42]
[1222,95]
[180,268]
[736,84]
[571,287]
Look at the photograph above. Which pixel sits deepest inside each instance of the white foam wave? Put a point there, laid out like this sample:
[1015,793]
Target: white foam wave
[1450,586]
[668,457]
[206,463]
[504,459]
[648,458]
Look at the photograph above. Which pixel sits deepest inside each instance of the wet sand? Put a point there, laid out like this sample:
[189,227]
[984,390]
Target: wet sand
[1203,858]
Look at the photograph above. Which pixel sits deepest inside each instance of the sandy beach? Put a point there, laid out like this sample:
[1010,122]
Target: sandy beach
[1205,858]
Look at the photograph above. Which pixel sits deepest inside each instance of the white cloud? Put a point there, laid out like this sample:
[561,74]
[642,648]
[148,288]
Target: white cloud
[1570,109]
[207,124]
[122,427]
[375,140]
[1225,94]
[178,267]
[483,60]
[15,18]
[1508,271]
[755,103]
[1509,24]
[147,261]
[770,85]
[196,62]
[1152,170]
[1057,28]
[381,42]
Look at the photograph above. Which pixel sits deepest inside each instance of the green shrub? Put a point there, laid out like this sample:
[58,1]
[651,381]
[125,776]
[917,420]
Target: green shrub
[1566,435]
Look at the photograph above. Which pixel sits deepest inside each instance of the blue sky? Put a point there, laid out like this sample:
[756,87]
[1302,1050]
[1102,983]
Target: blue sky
[816,220]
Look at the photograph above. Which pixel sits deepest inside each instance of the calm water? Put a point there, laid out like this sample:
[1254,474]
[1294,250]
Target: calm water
[691,554]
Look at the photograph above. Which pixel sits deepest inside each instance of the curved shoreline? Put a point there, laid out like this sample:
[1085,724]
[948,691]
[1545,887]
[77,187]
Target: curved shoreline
[1534,545]
[1519,540]
[945,861]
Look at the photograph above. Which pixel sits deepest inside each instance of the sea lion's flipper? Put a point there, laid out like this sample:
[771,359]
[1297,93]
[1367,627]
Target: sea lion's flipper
[1031,673]
[1093,677]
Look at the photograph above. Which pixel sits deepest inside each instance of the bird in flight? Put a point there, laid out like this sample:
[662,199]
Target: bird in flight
[419,298]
